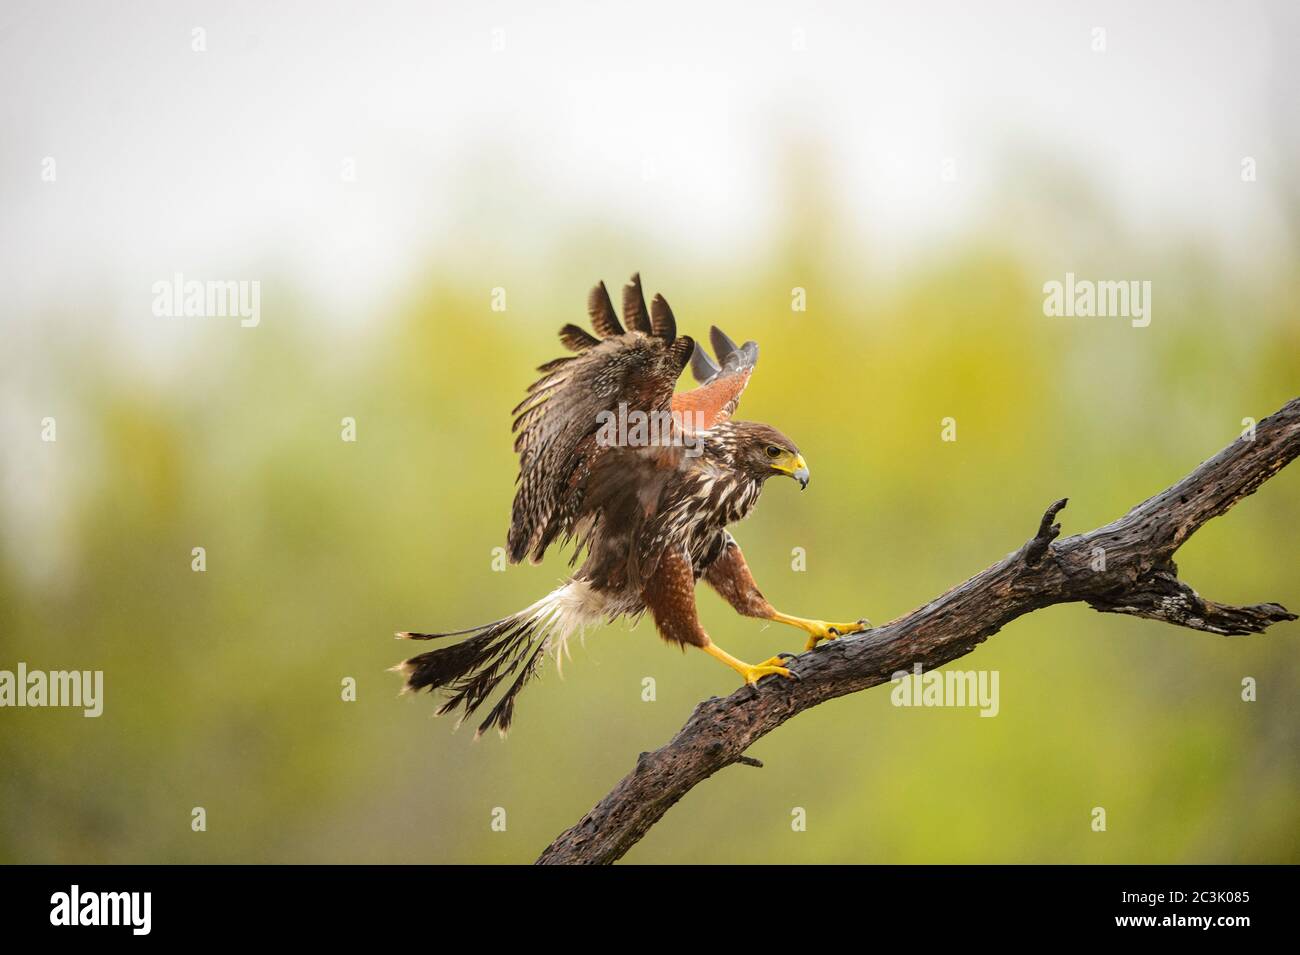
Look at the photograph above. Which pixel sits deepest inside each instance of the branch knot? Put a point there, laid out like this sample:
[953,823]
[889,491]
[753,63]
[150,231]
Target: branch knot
[1047,532]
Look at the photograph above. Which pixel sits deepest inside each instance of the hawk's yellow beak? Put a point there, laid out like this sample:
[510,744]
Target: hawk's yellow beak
[795,466]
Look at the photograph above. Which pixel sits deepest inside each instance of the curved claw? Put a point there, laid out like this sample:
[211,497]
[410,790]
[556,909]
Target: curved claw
[819,630]
[755,673]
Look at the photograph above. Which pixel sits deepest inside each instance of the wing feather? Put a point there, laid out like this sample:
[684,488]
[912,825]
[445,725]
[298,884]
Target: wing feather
[721,382]
[601,310]
[634,312]
[662,323]
[577,339]
[556,423]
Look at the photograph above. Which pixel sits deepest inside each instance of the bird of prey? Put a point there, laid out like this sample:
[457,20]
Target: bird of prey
[644,483]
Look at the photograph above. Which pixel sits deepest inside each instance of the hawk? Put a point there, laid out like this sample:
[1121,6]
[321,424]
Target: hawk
[644,483]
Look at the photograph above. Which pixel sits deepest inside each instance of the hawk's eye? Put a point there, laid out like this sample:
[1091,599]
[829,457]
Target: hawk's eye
[773,451]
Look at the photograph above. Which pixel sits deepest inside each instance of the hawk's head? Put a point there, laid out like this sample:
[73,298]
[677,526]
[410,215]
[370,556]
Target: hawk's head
[760,451]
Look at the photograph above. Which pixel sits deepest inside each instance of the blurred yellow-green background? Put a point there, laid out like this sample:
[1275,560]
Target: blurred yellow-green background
[921,175]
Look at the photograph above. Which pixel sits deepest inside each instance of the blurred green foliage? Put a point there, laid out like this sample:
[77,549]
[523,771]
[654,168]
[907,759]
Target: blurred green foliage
[223,687]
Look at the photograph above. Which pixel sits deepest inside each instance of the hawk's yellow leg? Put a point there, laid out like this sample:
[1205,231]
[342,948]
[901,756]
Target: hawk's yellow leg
[819,630]
[750,673]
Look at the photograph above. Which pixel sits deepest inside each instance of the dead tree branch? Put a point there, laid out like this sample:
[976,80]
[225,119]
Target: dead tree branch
[1125,567]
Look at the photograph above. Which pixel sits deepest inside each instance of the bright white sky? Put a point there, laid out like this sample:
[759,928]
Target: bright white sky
[228,161]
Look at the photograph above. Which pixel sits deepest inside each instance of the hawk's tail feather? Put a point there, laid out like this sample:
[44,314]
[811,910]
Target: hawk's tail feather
[412,635]
[470,670]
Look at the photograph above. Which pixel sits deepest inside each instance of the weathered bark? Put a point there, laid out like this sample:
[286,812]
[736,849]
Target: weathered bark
[1137,577]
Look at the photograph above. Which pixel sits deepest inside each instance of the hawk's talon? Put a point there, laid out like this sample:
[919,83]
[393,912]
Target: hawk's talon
[753,674]
[774,664]
[819,630]
[750,673]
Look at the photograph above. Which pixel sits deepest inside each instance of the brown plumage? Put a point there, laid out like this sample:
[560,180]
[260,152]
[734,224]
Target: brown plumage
[646,510]
[634,312]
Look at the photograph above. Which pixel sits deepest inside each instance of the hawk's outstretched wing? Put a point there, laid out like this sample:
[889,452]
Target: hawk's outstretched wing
[716,398]
[557,424]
